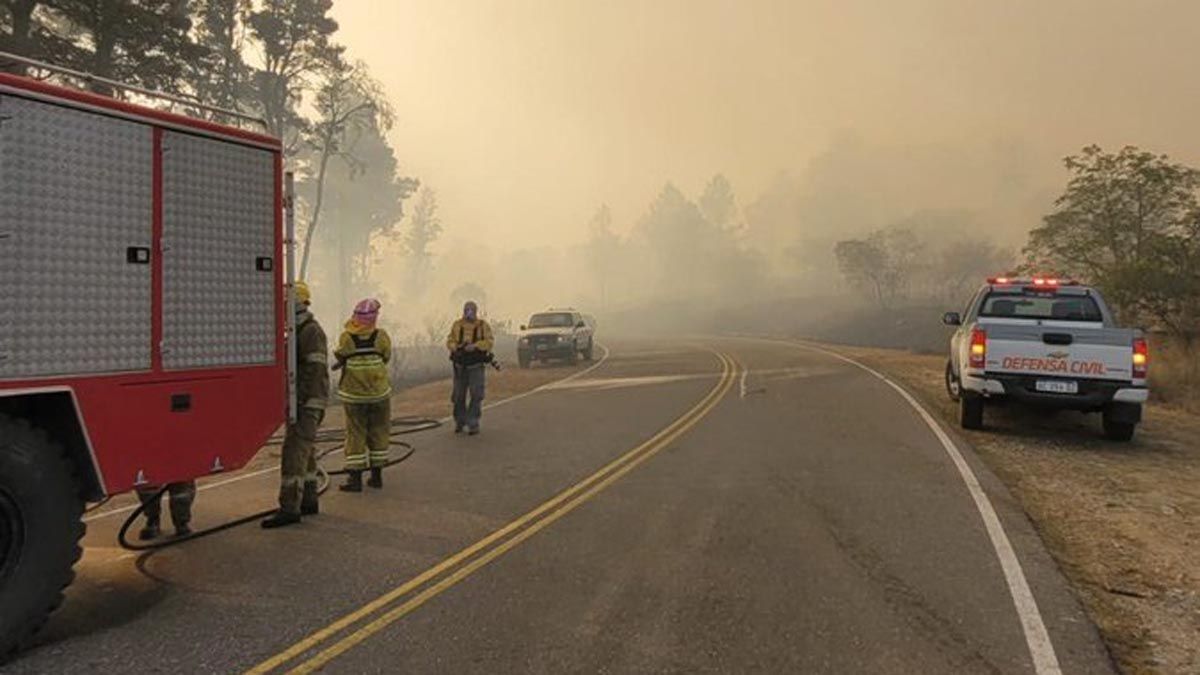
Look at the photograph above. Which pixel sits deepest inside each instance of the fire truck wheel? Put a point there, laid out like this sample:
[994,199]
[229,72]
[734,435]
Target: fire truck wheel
[40,529]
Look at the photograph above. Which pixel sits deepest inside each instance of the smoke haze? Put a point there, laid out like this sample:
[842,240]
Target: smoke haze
[829,119]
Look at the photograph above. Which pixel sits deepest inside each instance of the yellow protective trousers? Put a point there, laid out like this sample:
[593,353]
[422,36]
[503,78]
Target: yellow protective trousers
[368,434]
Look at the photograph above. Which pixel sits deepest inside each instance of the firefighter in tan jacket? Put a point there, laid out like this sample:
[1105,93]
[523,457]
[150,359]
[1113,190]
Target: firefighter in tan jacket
[470,343]
[298,484]
[363,352]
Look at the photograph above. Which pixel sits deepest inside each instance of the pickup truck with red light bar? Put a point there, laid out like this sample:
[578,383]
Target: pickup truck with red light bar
[1046,343]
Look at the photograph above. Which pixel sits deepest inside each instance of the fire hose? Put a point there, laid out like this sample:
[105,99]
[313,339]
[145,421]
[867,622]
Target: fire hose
[400,426]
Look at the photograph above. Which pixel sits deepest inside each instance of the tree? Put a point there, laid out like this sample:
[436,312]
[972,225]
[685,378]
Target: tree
[364,199]
[603,250]
[17,28]
[294,38]
[143,42]
[884,264]
[963,263]
[718,203]
[220,76]
[862,263]
[1129,223]
[418,238]
[348,104]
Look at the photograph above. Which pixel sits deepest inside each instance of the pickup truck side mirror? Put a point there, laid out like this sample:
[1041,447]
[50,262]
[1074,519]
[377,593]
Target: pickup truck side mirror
[581,325]
[522,326]
[952,319]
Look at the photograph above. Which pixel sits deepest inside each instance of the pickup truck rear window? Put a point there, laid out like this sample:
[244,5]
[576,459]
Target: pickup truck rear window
[1040,305]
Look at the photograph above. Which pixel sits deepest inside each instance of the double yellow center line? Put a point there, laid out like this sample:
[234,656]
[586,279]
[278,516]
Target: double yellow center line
[376,615]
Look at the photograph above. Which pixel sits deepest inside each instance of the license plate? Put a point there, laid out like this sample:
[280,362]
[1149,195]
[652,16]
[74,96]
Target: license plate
[1058,386]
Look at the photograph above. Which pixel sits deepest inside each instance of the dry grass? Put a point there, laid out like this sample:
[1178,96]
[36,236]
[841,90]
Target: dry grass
[1175,374]
[1122,520]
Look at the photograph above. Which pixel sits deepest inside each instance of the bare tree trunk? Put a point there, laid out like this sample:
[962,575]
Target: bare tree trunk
[22,17]
[316,213]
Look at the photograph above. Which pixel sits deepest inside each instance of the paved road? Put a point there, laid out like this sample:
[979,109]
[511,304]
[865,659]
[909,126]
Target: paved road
[724,506]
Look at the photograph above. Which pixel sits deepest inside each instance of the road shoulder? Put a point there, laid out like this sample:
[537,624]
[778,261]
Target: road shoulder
[1121,520]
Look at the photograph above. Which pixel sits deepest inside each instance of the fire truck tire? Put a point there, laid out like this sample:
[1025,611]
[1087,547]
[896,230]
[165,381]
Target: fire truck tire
[40,529]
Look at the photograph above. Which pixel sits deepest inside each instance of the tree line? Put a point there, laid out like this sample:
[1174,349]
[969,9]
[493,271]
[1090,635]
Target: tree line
[1127,222]
[278,60]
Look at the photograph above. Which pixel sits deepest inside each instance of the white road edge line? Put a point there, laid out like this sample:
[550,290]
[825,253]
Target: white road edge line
[1041,649]
[275,469]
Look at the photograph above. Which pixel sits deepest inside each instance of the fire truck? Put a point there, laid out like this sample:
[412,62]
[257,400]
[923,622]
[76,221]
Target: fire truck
[143,313]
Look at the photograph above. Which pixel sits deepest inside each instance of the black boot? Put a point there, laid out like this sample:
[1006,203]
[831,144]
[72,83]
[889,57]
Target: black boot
[182,530]
[280,519]
[150,531]
[353,482]
[309,506]
[376,479]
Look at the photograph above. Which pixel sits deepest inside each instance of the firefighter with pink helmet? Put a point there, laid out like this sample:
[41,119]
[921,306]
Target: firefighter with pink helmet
[362,354]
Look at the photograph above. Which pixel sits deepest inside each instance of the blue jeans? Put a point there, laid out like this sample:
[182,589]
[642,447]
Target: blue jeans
[468,380]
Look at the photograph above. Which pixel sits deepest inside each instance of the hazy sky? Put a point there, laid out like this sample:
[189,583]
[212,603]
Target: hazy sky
[525,115]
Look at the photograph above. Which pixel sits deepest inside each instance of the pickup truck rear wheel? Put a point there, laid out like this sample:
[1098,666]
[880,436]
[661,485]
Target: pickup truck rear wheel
[1121,419]
[953,385]
[970,410]
[40,528]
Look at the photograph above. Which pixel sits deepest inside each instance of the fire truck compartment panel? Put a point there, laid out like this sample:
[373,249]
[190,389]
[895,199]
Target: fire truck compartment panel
[218,223]
[75,197]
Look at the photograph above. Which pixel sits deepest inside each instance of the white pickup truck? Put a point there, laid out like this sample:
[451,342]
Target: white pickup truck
[1049,343]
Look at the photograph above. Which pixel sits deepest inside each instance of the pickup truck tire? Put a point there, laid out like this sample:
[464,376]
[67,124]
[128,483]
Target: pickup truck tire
[953,386]
[40,527]
[573,357]
[970,411]
[588,354]
[523,361]
[1117,425]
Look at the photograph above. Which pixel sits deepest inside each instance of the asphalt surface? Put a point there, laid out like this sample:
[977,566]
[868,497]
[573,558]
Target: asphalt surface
[774,509]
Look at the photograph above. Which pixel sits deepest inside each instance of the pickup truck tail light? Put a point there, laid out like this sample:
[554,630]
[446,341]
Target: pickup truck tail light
[1141,359]
[978,348]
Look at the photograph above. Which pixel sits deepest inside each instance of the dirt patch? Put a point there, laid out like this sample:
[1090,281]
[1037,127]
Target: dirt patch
[1121,519]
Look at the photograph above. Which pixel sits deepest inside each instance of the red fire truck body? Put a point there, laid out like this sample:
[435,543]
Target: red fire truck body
[142,290]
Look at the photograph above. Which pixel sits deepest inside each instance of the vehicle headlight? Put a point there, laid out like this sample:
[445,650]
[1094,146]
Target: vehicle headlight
[564,338]
[524,340]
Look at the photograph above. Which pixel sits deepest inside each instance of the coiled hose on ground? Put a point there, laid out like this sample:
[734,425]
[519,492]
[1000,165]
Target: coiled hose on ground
[400,426]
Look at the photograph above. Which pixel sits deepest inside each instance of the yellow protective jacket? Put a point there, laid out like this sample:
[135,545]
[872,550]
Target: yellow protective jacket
[364,353]
[476,332]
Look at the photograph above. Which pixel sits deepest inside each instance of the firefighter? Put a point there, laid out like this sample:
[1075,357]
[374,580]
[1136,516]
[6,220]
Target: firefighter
[470,344]
[181,496]
[298,468]
[362,353]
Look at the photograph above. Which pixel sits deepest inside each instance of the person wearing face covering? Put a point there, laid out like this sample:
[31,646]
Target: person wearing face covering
[470,343]
[362,354]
